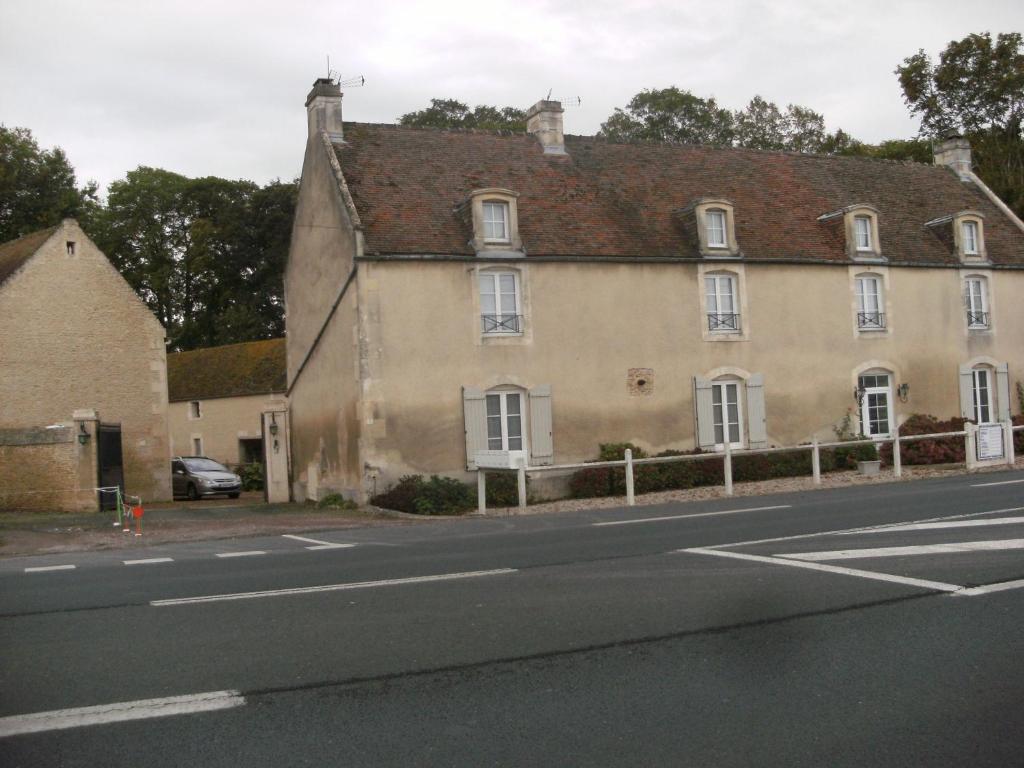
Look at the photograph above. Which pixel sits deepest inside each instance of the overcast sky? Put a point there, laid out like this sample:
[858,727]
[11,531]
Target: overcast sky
[217,88]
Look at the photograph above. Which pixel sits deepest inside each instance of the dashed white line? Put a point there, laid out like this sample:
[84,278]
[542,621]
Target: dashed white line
[41,568]
[935,585]
[150,561]
[332,587]
[321,544]
[920,549]
[250,553]
[120,712]
[1003,482]
[686,517]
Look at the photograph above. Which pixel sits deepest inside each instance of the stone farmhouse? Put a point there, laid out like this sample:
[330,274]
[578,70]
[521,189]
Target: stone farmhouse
[83,378]
[218,396]
[449,292]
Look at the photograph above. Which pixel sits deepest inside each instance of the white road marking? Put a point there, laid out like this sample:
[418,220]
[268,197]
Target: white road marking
[117,713]
[1003,482]
[40,568]
[921,549]
[322,544]
[685,517]
[935,585]
[150,561]
[333,587]
[250,553]
[948,524]
[986,589]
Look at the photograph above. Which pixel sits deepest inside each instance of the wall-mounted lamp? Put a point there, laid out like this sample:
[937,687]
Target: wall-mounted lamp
[273,424]
[903,390]
[83,435]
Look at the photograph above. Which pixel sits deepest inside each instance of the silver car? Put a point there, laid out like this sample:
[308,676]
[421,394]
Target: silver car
[197,477]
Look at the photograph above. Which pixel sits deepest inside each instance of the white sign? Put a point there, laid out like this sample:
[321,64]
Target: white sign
[990,442]
[500,459]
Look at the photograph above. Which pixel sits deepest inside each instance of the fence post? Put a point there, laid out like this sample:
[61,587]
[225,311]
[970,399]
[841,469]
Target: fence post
[728,466]
[481,492]
[816,461]
[1008,442]
[970,454]
[630,499]
[521,472]
[897,459]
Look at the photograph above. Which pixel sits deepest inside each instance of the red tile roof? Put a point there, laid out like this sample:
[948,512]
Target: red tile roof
[233,370]
[619,200]
[14,253]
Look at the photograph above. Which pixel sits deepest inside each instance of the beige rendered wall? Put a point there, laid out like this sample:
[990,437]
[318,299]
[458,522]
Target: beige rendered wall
[222,422]
[587,324]
[74,335]
[323,397]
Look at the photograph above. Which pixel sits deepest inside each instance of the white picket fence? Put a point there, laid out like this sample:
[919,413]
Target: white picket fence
[970,451]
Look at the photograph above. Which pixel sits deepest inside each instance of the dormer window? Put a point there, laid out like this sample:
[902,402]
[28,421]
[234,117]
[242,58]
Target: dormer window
[495,221]
[711,220]
[969,237]
[716,229]
[494,218]
[862,232]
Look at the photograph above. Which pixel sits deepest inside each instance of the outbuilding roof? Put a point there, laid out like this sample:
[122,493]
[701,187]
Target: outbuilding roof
[14,253]
[613,200]
[233,370]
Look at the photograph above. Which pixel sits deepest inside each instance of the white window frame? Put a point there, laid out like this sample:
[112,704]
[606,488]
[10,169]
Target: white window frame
[969,237]
[720,389]
[862,233]
[489,222]
[503,415]
[976,301]
[716,222]
[501,328]
[862,282]
[981,381]
[865,404]
[714,295]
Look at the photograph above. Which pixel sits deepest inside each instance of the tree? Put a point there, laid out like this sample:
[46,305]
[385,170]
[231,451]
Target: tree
[977,88]
[760,126]
[671,114]
[37,186]
[449,113]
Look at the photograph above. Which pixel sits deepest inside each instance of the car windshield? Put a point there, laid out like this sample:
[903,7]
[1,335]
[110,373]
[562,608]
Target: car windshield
[204,465]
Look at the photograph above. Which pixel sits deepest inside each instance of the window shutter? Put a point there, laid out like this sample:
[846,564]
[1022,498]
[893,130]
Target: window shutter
[705,414]
[1003,391]
[541,444]
[474,406]
[966,392]
[756,431]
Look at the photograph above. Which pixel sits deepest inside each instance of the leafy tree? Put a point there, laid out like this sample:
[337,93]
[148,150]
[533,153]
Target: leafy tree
[449,113]
[671,114]
[977,88]
[762,125]
[37,186]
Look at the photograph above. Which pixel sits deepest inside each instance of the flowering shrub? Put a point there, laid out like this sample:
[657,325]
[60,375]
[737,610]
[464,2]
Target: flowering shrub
[946,450]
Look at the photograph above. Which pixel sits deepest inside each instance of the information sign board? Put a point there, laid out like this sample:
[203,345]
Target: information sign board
[990,442]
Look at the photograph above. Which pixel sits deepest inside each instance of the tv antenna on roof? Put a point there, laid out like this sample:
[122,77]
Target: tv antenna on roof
[356,81]
[565,101]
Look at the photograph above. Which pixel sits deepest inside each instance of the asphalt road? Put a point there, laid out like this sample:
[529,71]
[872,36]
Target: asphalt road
[795,629]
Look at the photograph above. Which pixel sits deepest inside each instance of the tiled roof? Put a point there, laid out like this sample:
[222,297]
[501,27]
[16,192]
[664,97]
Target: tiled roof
[14,253]
[251,368]
[622,200]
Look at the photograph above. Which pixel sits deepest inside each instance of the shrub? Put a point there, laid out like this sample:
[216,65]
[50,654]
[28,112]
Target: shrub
[503,489]
[252,476]
[946,450]
[336,501]
[436,496]
[1018,437]
[847,456]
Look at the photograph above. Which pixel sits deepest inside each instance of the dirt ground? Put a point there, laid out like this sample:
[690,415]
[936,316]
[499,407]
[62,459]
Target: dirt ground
[24,533]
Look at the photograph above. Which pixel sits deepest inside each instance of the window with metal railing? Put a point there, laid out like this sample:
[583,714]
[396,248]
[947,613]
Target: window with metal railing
[500,303]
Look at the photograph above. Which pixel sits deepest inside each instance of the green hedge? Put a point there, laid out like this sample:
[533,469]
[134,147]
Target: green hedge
[436,496]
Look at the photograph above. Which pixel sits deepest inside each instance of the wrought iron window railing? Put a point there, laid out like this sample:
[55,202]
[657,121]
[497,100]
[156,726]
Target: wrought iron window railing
[871,321]
[502,323]
[977,319]
[723,322]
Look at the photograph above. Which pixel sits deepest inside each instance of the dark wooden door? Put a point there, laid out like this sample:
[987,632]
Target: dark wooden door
[111,463]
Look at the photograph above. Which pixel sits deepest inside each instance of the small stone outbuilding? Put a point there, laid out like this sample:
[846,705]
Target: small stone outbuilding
[80,353]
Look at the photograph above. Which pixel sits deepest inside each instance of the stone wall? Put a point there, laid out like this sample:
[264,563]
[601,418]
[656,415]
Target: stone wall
[45,468]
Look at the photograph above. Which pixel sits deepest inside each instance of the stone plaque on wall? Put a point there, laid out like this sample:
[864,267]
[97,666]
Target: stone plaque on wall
[640,382]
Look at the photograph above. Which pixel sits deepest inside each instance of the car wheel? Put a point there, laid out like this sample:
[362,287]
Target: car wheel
[193,494]
[232,495]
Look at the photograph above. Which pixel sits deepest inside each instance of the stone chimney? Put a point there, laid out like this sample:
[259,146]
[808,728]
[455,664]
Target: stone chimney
[954,151]
[323,108]
[544,120]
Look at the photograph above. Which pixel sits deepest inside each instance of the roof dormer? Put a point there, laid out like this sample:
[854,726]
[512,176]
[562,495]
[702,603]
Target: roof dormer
[964,234]
[494,217]
[860,230]
[711,221]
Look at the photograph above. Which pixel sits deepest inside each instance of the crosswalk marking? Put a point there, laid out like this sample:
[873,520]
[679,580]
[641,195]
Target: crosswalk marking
[936,526]
[320,544]
[921,549]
